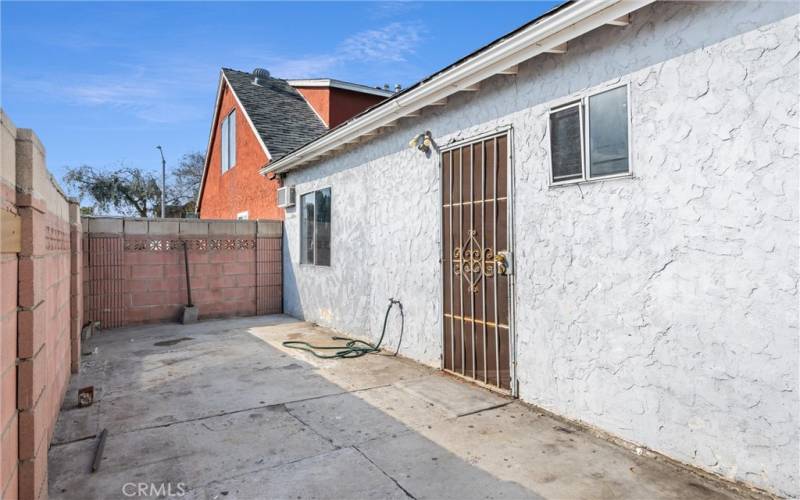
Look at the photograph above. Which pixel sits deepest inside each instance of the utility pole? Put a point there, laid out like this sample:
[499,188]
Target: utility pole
[163,180]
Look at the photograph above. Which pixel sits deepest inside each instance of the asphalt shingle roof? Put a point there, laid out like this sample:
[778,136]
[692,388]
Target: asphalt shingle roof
[282,117]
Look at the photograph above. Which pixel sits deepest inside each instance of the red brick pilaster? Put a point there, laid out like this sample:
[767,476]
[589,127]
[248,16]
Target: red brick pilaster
[31,351]
[9,248]
[75,286]
[42,314]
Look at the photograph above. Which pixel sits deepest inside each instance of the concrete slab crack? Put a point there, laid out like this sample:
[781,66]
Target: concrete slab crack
[408,494]
[259,407]
[326,438]
[71,441]
[206,485]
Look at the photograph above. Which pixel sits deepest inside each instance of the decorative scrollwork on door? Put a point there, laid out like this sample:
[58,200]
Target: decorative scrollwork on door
[473,262]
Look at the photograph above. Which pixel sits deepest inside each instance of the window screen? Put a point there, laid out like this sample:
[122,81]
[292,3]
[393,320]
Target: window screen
[315,228]
[566,150]
[224,148]
[232,139]
[228,146]
[608,132]
[307,228]
[322,231]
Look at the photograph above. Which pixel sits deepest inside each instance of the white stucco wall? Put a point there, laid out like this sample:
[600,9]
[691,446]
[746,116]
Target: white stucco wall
[661,308]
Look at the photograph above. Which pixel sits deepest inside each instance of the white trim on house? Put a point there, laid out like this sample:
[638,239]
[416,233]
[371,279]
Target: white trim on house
[243,215]
[322,120]
[217,106]
[488,134]
[208,146]
[338,84]
[540,37]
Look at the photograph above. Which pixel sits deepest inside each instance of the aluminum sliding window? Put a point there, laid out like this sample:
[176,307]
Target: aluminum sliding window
[315,228]
[228,133]
[590,138]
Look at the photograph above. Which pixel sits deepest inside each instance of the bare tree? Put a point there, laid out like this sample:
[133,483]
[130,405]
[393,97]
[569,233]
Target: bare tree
[127,190]
[186,178]
[133,191]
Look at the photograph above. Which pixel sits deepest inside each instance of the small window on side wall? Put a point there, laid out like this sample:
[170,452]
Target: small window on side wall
[315,228]
[228,146]
[589,139]
[566,145]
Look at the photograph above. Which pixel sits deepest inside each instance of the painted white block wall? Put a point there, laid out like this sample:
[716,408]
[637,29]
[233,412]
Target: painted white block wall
[662,308]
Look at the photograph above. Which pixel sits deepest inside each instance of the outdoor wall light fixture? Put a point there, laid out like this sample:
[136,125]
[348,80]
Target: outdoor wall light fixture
[423,142]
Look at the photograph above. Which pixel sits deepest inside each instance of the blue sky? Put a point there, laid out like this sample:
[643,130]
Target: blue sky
[103,83]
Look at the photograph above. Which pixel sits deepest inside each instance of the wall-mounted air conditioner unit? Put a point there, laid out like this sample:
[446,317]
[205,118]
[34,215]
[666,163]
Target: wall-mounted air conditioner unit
[286,196]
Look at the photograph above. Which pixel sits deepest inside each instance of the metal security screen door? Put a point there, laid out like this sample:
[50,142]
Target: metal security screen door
[475,240]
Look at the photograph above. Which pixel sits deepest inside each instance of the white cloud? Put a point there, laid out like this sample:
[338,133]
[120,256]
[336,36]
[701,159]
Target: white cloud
[80,42]
[391,43]
[383,10]
[155,100]
[163,89]
[153,94]
[302,67]
[111,93]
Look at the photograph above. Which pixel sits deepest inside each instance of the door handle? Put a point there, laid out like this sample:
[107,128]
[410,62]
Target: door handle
[504,263]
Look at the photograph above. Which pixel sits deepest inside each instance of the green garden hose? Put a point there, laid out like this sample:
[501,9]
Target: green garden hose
[354,348]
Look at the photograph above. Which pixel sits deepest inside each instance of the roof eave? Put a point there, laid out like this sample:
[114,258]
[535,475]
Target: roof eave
[339,84]
[210,139]
[567,24]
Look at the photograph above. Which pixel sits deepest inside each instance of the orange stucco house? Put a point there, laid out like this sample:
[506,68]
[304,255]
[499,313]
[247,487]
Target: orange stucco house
[259,119]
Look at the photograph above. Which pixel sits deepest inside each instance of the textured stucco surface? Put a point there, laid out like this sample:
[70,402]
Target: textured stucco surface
[662,308]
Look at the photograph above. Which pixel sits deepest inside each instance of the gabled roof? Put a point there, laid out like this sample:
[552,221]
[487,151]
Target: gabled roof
[280,115]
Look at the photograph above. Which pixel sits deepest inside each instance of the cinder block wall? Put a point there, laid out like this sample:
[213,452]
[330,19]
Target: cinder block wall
[135,272]
[9,226]
[40,309]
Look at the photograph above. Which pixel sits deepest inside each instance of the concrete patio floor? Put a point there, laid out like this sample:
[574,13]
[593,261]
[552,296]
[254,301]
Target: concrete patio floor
[221,409]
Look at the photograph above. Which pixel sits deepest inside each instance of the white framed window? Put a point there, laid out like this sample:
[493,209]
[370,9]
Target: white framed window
[242,215]
[228,133]
[590,137]
[315,227]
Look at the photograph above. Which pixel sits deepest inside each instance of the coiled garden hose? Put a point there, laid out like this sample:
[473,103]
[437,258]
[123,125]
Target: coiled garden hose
[354,348]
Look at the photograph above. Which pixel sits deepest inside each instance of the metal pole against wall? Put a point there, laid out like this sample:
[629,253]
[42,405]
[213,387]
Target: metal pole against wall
[163,180]
[188,281]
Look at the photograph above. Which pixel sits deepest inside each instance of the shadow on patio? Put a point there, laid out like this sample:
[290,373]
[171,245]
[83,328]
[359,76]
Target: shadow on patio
[220,409]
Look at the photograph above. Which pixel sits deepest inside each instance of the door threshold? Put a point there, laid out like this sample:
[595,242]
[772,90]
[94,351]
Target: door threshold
[484,385]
